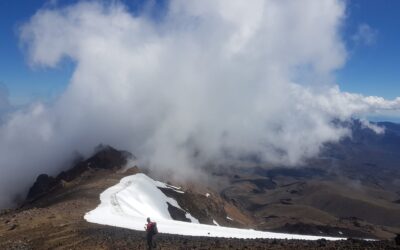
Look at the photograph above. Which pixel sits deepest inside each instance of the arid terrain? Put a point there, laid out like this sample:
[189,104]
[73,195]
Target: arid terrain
[89,236]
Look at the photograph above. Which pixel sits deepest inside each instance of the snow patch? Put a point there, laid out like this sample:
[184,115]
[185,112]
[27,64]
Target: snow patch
[215,222]
[229,218]
[191,218]
[136,197]
[164,185]
[207,195]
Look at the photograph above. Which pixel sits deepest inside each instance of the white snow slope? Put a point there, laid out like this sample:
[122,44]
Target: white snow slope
[136,197]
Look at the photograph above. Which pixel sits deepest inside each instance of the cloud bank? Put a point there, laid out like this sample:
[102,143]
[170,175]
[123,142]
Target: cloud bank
[208,80]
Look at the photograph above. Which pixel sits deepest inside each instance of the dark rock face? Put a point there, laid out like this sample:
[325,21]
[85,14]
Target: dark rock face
[42,185]
[204,209]
[176,213]
[397,240]
[105,157]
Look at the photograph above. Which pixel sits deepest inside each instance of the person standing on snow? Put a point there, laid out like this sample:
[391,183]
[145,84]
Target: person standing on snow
[151,230]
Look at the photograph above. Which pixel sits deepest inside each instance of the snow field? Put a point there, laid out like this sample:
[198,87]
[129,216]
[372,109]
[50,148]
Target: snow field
[136,197]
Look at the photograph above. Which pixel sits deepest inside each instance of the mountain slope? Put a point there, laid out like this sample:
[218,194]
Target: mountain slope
[136,197]
[351,189]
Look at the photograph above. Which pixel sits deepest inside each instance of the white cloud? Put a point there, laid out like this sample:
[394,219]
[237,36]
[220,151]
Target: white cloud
[213,79]
[376,128]
[365,35]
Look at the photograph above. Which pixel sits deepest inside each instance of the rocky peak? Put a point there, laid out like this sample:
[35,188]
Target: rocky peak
[105,157]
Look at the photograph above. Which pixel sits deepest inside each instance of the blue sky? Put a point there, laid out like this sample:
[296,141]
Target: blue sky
[24,83]
[370,32]
[373,69]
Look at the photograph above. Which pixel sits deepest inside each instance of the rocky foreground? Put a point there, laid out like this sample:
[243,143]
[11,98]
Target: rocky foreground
[103,237]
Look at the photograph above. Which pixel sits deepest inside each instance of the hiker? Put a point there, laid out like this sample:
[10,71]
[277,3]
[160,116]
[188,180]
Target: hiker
[151,229]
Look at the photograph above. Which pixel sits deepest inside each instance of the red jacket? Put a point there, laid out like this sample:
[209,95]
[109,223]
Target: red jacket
[149,226]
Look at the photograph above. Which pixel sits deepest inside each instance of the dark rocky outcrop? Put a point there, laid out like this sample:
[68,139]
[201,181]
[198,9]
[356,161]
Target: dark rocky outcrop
[176,213]
[42,185]
[105,157]
[397,240]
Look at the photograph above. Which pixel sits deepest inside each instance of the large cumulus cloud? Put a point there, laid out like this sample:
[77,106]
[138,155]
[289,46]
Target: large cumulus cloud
[208,80]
